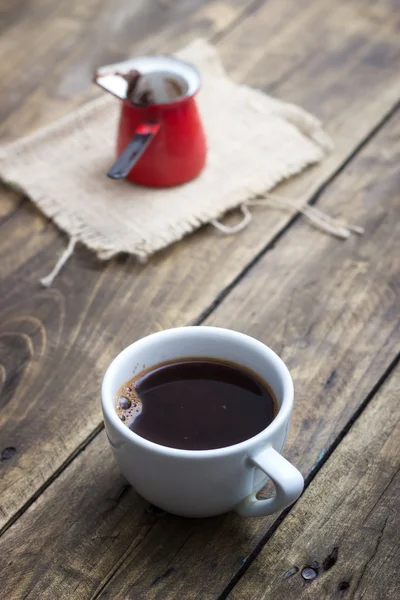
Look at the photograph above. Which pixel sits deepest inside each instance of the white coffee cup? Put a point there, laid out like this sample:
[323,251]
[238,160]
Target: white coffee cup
[204,483]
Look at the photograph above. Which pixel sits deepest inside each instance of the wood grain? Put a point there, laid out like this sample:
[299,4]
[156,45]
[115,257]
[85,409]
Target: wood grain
[346,523]
[331,310]
[58,342]
[51,49]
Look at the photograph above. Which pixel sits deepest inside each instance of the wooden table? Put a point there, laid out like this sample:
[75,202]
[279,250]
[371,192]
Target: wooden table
[71,526]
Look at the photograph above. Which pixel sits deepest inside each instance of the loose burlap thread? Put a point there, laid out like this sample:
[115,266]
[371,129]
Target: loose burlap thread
[254,142]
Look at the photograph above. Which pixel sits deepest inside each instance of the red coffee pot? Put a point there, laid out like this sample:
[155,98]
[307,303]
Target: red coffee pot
[160,140]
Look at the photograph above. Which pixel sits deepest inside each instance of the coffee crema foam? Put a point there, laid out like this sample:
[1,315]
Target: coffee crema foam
[128,405]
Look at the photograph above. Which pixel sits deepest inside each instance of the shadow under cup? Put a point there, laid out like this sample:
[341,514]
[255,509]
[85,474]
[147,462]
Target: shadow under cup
[195,482]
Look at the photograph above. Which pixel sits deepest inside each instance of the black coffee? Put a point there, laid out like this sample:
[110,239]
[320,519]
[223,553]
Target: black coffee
[196,404]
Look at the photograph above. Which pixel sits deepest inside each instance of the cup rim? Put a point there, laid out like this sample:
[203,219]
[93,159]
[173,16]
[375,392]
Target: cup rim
[108,395]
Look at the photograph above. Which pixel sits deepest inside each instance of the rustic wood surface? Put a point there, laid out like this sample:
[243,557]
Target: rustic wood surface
[72,527]
[346,523]
[53,47]
[93,310]
[337,329]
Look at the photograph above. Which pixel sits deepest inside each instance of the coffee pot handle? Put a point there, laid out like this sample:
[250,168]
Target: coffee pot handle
[134,150]
[288,482]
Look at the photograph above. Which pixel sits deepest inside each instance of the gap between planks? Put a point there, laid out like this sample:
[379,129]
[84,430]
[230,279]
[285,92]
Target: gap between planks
[313,200]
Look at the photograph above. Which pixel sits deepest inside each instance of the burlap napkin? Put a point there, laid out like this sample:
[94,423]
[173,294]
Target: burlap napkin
[254,142]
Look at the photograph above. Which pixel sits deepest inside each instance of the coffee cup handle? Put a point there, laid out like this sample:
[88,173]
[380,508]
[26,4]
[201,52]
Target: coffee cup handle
[288,482]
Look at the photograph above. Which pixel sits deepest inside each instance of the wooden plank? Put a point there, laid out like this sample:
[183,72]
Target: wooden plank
[67,41]
[330,310]
[70,333]
[346,523]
